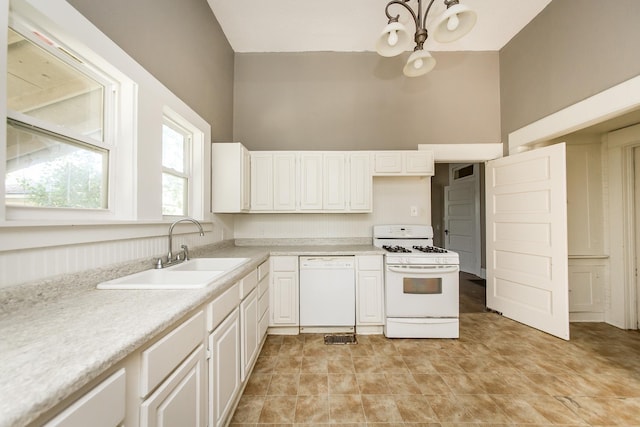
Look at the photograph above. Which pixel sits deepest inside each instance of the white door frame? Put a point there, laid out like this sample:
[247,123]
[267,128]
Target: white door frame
[475,181]
[620,308]
[622,98]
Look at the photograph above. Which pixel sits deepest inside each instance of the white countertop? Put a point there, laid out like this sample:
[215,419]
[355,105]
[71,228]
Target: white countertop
[57,336]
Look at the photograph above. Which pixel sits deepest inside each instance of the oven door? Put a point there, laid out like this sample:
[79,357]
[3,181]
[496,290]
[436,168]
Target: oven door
[422,290]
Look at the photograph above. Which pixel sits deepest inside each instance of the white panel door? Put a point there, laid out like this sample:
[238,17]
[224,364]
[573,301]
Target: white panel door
[460,206]
[527,257]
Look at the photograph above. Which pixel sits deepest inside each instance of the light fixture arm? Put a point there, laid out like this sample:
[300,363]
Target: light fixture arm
[418,19]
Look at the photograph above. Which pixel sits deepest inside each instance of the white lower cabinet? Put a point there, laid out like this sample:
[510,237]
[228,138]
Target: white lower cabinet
[181,399]
[369,292]
[103,406]
[283,294]
[250,339]
[224,368]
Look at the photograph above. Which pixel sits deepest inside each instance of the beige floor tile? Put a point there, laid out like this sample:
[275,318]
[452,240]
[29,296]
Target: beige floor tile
[312,409]
[283,385]
[373,384]
[365,364]
[313,385]
[343,384]
[402,384]
[278,409]
[415,409]
[467,408]
[432,384]
[314,364]
[346,408]
[381,408]
[248,409]
[287,365]
[340,365]
[257,384]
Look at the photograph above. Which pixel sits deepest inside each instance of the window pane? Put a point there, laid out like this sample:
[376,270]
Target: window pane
[44,87]
[46,170]
[173,149]
[173,195]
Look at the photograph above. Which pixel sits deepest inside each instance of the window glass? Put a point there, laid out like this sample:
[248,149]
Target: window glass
[175,165]
[47,170]
[56,153]
[44,87]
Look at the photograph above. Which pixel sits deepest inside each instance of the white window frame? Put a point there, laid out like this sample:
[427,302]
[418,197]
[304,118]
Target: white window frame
[113,102]
[187,162]
[194,168]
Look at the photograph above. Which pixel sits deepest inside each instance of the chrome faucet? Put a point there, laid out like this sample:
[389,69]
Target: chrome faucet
[170,258]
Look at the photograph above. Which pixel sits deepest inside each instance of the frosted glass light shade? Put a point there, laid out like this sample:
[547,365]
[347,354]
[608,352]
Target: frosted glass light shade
[420,62]
[383,45]
[466,17]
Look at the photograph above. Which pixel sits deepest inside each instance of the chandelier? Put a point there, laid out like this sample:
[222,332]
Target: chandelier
[456,21]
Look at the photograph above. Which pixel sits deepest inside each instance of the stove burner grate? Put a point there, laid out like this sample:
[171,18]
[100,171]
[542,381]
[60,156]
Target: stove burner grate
[430,249]
[396,249]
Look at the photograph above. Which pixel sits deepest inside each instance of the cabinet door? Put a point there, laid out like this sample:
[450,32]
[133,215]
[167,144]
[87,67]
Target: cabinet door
[360,182]
[284,182]
[224,369]
[249,323]
[181,398]
[388,162]
[419,162]
[261,181]
[284,298]
[311,181]
[230,177]
[334,184]
[370,298]
[370,290]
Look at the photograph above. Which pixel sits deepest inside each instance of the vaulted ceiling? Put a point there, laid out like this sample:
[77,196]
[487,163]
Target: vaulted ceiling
[354,25]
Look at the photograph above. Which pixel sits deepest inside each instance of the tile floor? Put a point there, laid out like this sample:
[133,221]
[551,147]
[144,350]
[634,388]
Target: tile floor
[499,373]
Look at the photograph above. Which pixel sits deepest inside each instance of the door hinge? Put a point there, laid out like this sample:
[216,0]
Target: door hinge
[209,354]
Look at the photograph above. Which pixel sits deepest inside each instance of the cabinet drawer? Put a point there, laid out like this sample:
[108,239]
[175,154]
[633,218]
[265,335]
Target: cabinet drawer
[284,263]
[103,406]
[220,308]
[263,270]
[248,283]
[163,357]
[369,262]
[263,304]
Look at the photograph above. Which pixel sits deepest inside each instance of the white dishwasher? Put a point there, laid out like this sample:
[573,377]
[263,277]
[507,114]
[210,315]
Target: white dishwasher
[327,294]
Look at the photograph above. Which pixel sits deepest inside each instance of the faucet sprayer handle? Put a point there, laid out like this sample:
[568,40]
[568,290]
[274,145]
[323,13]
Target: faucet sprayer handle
[186,252]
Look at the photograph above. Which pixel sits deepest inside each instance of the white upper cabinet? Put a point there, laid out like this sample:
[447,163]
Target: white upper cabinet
[401,163]
[334,182]
[284,182]
[314,181]
[311,171]
[360,182]
[230,178]
[261,181]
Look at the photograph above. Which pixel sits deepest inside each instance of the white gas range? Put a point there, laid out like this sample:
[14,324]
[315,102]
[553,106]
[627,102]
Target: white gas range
[421,283]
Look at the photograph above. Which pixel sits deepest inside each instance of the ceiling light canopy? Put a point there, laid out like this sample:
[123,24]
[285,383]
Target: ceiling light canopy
[456,21]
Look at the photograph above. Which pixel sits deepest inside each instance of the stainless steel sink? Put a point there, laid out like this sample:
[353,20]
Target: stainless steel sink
[193,274]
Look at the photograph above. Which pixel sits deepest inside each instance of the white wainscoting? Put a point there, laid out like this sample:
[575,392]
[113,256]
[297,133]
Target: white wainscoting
[392,201]
[29,265]
[587,289]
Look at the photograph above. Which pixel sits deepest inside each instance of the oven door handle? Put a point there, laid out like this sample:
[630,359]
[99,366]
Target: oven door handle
[423,269]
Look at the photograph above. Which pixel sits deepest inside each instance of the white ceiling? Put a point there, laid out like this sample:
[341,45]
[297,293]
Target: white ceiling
[354,25]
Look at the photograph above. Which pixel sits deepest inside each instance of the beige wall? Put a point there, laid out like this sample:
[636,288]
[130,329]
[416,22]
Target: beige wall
[570,51]
[181,44]
[357,101]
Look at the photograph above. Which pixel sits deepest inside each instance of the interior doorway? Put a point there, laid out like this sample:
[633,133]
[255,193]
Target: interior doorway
[458,213]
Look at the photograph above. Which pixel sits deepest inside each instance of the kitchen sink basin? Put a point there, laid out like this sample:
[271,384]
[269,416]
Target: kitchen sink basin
[193,274]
